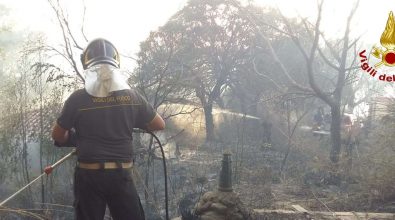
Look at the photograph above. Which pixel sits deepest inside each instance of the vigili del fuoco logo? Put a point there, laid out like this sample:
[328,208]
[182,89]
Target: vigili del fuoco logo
[386,53]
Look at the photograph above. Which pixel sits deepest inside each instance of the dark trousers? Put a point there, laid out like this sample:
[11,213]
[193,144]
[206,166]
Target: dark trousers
[94,189]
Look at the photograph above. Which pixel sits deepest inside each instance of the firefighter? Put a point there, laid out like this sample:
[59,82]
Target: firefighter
[99,120]
[349,133]
[346,129]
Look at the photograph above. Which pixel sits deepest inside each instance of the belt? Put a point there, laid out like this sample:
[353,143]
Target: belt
[105,165]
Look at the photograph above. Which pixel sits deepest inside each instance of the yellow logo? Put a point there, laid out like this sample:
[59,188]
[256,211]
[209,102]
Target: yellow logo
[385,53]
[387,40]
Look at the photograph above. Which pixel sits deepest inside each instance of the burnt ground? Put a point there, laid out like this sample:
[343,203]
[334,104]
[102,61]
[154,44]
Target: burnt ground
[256,180]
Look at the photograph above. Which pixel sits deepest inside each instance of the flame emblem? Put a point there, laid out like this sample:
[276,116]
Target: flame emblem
[387,40]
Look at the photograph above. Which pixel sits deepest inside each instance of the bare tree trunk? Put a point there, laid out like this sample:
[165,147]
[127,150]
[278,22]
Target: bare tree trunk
[25,162]
[289,139]
[41,146]
[335,133]
[208,116]
[41,91]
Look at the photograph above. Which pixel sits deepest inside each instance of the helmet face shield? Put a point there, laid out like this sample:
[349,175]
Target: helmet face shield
[100,51]
[102,79]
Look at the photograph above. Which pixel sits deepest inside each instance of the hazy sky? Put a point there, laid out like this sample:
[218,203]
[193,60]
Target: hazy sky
[127,23]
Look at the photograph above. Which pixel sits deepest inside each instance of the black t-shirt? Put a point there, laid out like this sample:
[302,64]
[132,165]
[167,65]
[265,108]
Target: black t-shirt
[104,125]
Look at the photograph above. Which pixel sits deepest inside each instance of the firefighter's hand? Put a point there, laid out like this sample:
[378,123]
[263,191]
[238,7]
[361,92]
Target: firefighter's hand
[71,141]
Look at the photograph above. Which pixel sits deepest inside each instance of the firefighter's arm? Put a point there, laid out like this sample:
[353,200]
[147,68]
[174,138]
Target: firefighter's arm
[157,123]
[63,137]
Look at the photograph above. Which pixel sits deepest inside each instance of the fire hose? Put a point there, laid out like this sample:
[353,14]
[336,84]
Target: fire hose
[164,168]
[48,170]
